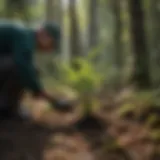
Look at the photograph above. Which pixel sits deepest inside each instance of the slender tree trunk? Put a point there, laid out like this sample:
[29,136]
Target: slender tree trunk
[117,30]
[154,26]
[141,76]
[116,4]
[75,44]
[93,23]
[154,33]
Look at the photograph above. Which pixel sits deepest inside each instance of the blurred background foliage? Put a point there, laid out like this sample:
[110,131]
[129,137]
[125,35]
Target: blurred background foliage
[123,34]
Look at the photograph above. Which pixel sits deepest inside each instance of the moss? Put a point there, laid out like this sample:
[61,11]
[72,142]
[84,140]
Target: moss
[111,146]
[153,121]
[127,110]
[155,135]
[113,149]
[145,113]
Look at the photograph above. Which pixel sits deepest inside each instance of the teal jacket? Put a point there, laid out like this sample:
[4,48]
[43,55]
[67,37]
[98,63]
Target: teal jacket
[20,42]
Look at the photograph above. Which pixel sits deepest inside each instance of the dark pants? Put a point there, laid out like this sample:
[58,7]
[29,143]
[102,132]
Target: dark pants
[11,89]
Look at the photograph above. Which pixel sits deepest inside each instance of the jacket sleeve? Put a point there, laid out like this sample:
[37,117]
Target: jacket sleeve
[23,58]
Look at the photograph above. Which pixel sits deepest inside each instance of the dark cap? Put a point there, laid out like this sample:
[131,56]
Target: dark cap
[54,31]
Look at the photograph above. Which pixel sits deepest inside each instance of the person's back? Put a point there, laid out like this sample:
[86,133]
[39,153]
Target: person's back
[7,36]
[15,42]
[9,32]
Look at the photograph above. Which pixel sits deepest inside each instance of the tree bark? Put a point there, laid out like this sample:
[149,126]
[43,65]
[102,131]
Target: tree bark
[141,74]
[75,44]
[117,44]
[93,23]
[154,33]
[117,32]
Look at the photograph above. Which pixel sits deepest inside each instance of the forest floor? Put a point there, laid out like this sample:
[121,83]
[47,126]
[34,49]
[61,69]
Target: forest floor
[117,134]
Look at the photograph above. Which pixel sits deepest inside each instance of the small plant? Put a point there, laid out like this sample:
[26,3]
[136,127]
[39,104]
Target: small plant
[83,76]
[86,81]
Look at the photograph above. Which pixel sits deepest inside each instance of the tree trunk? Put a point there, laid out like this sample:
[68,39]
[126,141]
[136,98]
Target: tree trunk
[116,5]
[154,33]
[93,23]
[140,76]
[75,44]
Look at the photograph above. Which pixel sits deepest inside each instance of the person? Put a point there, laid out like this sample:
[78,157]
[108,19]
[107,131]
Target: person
[17,70]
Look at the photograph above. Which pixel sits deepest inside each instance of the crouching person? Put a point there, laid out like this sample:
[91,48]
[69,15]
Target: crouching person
[17,70]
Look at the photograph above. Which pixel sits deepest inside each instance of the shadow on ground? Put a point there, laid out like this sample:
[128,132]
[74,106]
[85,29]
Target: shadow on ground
[19,141]
[26,141]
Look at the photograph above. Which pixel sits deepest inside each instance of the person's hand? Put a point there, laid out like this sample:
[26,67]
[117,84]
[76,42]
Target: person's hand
[58,104]
[62,105]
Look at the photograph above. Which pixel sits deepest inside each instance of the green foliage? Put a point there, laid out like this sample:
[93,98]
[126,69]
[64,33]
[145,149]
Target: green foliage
[2,3]
[86,79]
[152,120]
[155,135]
[126,109]
[83,77]
[141,106]
[37,11]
